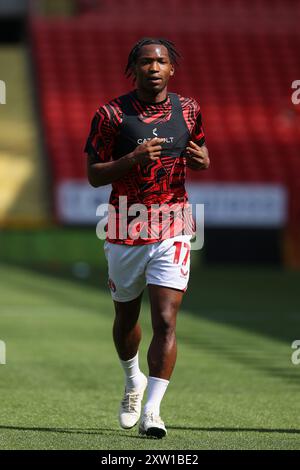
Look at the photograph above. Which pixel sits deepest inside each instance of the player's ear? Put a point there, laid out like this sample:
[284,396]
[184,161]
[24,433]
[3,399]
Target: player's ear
[172,71]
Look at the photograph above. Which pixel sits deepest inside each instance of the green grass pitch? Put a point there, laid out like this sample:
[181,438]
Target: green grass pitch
[234,386]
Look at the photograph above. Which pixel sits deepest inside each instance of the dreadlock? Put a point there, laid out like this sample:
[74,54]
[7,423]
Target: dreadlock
[134,53]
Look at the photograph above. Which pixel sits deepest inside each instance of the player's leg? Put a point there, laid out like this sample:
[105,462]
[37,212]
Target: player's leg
[126,281]
[127,337]
[167,277]
[126,329]
[165,303]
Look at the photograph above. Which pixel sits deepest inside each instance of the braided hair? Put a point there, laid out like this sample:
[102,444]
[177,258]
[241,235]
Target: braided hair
[134,53]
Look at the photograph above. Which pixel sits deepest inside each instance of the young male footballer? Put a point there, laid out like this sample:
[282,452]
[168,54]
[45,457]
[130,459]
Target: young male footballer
[141,143]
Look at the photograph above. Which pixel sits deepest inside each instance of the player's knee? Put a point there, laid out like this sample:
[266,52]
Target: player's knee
[165,326]
[125,326]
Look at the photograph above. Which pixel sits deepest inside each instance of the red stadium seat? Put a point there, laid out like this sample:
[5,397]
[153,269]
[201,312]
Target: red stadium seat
[241,79]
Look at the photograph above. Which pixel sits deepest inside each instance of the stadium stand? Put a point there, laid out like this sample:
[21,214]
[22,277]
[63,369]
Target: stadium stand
[239,60]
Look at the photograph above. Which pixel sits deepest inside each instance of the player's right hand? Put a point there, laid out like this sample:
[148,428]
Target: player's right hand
[149,151]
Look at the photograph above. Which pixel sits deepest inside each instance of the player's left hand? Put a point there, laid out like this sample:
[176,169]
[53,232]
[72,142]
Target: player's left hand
[197,157]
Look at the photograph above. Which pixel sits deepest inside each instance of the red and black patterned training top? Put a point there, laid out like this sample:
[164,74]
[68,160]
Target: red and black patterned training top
[116,129]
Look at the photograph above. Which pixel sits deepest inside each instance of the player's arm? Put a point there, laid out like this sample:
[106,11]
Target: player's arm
[101,168]
[197,157]
[102,173]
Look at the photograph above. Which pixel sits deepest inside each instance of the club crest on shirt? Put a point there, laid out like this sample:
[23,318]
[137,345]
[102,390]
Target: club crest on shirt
[184,273]
[111,285]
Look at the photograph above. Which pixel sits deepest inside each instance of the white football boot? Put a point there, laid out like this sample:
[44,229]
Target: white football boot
[152,426]
[130,408]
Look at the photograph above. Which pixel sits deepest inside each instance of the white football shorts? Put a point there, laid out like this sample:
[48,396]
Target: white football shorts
[131,268]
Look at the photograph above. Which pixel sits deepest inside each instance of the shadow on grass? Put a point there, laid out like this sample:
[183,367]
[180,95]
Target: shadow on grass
[248,357]
[257,299]
[102,431]
[220,429]
[260,300]
[237,311]
[56,291]
[87,431]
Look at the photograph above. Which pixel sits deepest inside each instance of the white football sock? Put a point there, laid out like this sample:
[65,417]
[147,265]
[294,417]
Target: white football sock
[133,375]
[156,391]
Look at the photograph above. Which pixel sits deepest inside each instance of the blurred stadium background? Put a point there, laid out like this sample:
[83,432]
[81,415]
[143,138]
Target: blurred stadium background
[60,59]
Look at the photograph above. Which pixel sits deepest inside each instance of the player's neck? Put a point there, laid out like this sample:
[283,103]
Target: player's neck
[147,97]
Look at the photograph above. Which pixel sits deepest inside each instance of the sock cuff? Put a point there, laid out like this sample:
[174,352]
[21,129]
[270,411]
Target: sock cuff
[133,359]
[158,379]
